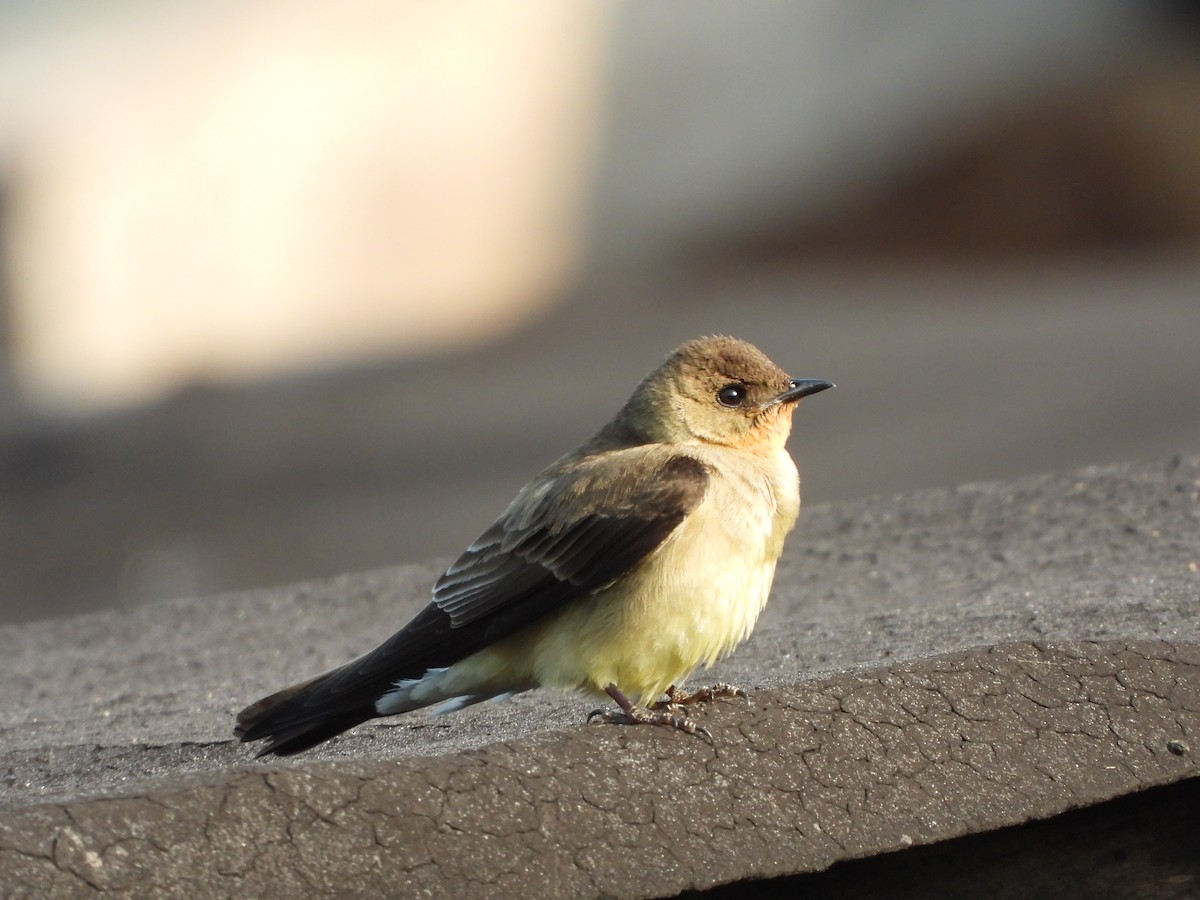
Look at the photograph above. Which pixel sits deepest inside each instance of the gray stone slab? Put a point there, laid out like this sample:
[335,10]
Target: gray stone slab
[931,665]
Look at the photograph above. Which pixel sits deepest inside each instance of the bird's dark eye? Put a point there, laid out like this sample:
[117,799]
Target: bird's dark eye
[731,395]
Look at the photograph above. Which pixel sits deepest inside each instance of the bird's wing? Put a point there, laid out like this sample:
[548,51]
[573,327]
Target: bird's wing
[570,532]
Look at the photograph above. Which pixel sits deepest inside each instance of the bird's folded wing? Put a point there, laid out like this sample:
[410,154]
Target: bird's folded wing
[570,532]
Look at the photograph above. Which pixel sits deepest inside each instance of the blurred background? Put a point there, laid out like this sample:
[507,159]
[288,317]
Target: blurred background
[291,289]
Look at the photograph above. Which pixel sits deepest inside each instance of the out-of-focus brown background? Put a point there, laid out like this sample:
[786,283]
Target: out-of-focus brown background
[291,289]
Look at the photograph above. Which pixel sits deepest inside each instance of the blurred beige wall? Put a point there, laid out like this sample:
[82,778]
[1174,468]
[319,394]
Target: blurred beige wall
[204,190]
[213,190]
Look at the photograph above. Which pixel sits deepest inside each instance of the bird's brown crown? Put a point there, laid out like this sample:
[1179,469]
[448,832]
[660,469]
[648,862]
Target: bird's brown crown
[713,389]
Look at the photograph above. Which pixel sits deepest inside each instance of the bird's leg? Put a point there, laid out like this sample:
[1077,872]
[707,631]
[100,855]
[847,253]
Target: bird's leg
[677,698]
[629,714]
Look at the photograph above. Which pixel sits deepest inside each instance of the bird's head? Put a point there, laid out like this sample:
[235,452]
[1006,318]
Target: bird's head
[719,390]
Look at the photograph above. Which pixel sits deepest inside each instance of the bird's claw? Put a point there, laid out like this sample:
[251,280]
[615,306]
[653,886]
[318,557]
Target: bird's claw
[677,698]
[640,715]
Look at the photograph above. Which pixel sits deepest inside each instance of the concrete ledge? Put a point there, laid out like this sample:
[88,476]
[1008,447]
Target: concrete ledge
[806,776]
[933,666]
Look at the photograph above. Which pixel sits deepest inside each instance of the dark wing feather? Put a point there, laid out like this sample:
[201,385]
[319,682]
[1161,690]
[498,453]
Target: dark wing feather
[568,536]
[572,531]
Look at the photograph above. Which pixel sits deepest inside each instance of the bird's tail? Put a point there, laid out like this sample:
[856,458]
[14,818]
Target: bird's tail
[290,723]
[406,672]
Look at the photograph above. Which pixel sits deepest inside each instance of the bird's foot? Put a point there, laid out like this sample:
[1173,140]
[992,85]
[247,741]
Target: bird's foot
[677,699]
[640,715]
[629,714]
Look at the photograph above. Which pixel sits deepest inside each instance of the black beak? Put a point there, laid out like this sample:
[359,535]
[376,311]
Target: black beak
[800,387]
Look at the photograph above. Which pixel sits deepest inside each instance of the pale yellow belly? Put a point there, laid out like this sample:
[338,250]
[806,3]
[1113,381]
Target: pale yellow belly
[687,606]
[645,638]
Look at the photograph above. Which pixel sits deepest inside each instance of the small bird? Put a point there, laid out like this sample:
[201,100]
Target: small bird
[619,569]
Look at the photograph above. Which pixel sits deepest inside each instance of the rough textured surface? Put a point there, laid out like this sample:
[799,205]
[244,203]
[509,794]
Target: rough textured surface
[1138,847]
[932,666]
[834,769]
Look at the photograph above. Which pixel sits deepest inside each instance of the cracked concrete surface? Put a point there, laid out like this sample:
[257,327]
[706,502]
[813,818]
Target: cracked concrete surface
[932,666]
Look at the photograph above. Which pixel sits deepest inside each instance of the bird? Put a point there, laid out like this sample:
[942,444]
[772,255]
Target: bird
[618,570]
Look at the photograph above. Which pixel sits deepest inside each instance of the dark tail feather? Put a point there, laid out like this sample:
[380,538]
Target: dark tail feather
[289,725]
[313,711]
[302,737]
